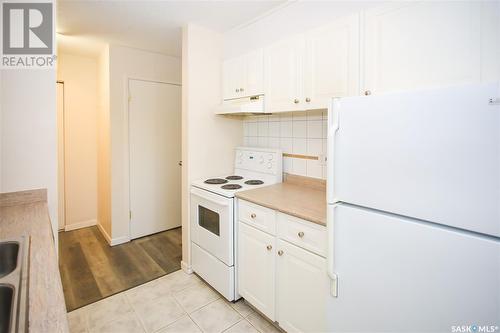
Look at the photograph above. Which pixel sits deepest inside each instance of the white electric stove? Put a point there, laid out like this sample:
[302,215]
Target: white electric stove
[213,214]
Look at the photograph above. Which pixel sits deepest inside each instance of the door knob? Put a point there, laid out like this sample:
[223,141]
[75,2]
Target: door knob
[368,92]
[296,101]
[241,89]
[301,234]
[280,252]
[180,163]
[237,90]
[253,215]
[269,247]
[308,99]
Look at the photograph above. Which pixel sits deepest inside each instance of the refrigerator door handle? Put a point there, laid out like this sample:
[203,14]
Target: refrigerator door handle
[333,126]
[330,253]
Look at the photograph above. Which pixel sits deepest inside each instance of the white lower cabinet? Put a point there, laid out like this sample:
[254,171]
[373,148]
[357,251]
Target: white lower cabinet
[256,268]
[301,289]
[277,275]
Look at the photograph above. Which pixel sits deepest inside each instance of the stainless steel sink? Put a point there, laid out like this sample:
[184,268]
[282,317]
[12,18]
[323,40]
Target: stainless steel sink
[9,252]
[6,306]
[14,269]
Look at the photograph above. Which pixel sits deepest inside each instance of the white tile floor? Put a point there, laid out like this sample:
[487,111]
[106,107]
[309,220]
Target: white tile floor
[177,302]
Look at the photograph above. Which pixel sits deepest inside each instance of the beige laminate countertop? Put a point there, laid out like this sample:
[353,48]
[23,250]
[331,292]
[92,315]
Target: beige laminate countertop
[26,214]
[300,200]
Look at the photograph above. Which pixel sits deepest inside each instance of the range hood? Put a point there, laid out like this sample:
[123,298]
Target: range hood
[244,105]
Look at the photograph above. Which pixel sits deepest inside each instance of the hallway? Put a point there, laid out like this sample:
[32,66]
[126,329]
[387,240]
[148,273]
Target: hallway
[92,270]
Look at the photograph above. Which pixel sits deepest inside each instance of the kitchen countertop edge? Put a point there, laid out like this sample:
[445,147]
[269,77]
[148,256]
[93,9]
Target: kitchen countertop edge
[25,213]
[284,200]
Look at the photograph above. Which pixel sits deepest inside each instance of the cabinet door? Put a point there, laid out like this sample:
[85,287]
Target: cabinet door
[256,268]
[332,62]
[233,77]
[283,79]
[303,289]
[422,44]
[254,73]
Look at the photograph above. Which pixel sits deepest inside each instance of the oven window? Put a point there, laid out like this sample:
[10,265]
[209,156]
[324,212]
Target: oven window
[209,220]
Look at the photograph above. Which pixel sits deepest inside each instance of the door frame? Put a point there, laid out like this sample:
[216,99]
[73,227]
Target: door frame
[61,159]
[126,143]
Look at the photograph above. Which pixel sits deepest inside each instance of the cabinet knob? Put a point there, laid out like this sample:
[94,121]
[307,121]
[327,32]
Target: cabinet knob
[368,92]
[308,99]
[296,101]
[280,252]
[237,90]
[301,234]
[241,89]
[269,247]
[253,215]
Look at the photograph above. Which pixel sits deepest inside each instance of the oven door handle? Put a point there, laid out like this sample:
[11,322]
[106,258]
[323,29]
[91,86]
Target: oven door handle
[209,196]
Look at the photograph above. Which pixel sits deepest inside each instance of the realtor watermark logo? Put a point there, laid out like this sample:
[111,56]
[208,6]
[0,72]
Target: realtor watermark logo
[27,35]
[474,328]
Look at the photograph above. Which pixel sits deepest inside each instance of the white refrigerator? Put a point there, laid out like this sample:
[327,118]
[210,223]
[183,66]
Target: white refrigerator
[414,211]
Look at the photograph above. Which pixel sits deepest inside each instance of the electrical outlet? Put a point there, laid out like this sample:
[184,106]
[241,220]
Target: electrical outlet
[322,159]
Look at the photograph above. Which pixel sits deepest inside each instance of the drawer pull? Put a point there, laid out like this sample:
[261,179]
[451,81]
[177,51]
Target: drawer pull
[269,247]
[253,215]
[301,234]
[280,252]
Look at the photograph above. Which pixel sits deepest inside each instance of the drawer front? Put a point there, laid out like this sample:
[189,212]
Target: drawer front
[257,216]
[302,233]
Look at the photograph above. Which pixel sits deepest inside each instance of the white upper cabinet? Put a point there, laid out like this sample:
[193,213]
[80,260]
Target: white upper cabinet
[304,71]
[332,62]
[283,75]
[243,75]
[254,73]
[397,46]
[423,44]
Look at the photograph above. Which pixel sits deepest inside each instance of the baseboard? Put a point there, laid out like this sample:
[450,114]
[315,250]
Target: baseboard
[79,225]
[119,240]
[104,233]
[186,268]
[112,241]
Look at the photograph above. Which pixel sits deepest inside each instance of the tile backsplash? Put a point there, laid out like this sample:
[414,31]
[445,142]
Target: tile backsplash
[300,133]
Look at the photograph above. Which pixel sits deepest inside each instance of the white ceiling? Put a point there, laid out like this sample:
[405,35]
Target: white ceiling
[150,25]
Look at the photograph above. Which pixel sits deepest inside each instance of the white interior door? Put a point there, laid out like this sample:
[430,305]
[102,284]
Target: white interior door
[155,152]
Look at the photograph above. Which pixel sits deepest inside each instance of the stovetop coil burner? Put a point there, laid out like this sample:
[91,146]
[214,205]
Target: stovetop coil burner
[231,187]
[234,177]
[254,182]
[215,181]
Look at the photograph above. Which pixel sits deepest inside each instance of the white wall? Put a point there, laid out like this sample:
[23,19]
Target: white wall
[79,74]
[29,133]
[208,140]
[127,63]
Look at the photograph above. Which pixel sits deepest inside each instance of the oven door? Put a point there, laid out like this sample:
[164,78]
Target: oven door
[212,224]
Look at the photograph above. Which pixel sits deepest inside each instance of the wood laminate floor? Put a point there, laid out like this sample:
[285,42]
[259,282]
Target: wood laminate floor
[92,270]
